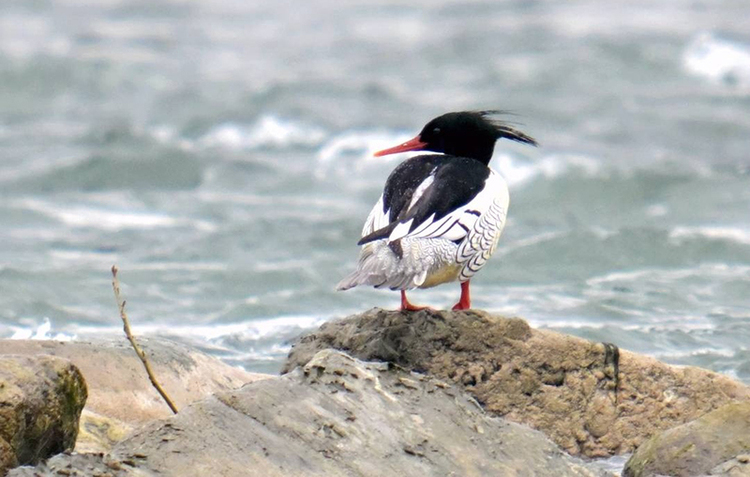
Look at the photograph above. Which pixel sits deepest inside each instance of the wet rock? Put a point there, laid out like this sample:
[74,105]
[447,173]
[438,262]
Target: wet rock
[562,385]
[719,440]
[41,399]
[337,416]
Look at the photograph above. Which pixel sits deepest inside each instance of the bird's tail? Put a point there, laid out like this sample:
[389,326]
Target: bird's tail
[350,281]
[380,267]
[367,273]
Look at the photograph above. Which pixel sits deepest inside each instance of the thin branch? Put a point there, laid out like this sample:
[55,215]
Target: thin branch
[131,338]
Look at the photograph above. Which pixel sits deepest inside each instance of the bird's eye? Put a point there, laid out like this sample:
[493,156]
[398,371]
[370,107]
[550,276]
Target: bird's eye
[436,131]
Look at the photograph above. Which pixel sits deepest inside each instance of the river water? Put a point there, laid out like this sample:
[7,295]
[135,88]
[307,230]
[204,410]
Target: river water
[220,153]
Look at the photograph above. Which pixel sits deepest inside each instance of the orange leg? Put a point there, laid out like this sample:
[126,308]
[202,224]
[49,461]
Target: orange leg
[406,306]
[465,302]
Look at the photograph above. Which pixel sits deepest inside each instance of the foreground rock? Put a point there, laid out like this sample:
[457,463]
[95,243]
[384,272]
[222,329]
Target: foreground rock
[736,467]
[336,417]
[559,384]
[41,399]
[720,440]
[118,385]
[7,456]
[120,395]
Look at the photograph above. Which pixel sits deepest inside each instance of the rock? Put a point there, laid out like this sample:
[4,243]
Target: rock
[97,433]
[120,394]
[118,384]
[41,399]
[337,416]
[718,440]
[561,385]
[736,467]
[7,456]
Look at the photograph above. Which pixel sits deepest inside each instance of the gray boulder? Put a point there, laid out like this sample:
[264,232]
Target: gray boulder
[561,385]
[716,444]
[736,467]
[121,397]
[41,399]
[118,385]
[337,416]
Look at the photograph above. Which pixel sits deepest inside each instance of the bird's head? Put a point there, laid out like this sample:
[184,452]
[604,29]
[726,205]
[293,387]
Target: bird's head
[466,134]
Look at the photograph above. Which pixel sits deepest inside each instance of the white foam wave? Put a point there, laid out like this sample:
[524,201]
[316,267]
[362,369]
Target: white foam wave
[718,60]
[283,265]
[108,219]
[353,150]
[259,340]
[519,171]
[681,324]
[82,256]
[138,30]
[268,131]
[732,234]
[42,331]
[661,275]
[179,266]
[285,201]
[657,210]
[529,242]
[253,330]
[703,352]
[167,134]
[24,36]
[557,323]
[270,354]
[549,298]
[362,144]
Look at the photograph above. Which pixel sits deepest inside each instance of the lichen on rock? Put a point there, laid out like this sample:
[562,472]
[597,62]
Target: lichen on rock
[7,456]
[718,440]
[41,399]
[120,394]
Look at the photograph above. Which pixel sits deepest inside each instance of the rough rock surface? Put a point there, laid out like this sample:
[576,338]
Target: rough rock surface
[120,395]
[335,417]
[119,386]
[559,384]
[41,399]
[7,456]
[736,467]
[716,441]
[97,433]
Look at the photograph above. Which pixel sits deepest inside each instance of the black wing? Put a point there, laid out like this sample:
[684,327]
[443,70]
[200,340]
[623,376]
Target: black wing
[425,189]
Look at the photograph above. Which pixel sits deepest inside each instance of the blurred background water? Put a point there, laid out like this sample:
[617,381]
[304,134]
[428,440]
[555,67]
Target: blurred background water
[221,154]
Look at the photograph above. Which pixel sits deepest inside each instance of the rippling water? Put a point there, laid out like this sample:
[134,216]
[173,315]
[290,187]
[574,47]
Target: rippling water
[221,154]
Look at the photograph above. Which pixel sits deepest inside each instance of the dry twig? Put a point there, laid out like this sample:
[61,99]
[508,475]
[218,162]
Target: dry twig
[131,338]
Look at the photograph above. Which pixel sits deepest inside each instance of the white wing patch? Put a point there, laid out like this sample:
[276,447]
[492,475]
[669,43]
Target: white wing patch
[460,222]
[422,187]
[377,218]
[401,230]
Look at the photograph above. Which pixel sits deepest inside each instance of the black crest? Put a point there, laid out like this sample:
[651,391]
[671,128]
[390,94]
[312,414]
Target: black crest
[470,134]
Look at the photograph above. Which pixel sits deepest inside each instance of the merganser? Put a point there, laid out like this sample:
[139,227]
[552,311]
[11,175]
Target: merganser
[440,215]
